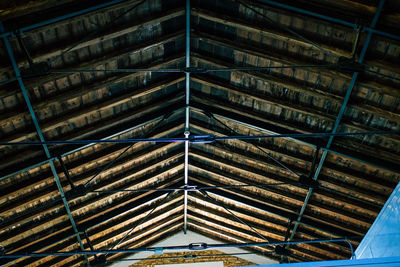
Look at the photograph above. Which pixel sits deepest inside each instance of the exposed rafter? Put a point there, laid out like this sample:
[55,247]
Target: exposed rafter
[123,123]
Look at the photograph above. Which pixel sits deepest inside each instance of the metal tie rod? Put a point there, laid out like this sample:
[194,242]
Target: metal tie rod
[201,138]
[192,246]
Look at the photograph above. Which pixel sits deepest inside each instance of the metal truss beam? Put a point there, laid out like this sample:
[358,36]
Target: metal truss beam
[199,110]
[40,134]
[370,29]
[187,120]
[339,118]
[197,138]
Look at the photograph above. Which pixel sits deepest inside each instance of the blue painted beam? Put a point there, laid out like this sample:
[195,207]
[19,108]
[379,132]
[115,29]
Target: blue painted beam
[199,110]
[339,117]
[192,246]
[187,115]
[300,141]
[40,134]
[82,147]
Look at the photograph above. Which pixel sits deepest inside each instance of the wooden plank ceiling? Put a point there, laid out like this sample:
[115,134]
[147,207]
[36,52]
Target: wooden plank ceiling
[355,179]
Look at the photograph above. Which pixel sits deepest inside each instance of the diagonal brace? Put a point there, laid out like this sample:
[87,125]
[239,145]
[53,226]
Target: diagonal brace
[40,134]
[339,117]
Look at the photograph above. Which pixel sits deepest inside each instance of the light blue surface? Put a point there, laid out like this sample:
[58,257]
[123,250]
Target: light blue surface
[383,238]
[381,244]
[392,262]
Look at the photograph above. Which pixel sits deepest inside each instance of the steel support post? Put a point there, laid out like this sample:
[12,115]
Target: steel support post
[370,29]
[187,116]
[40,134]
[339,117]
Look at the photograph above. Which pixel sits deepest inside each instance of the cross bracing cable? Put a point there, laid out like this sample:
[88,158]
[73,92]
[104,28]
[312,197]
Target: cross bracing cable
[109,164]
[202,138]
[286,29]
[233,214]
[195,188]
[383,75]
[258,147]
[166,189]
[141,221]
[106,167]
[83,189]
[8,81]
[96,32]
[196,70]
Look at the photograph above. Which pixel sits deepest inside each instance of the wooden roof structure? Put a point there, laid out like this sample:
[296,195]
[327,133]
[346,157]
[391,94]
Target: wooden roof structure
[87,70]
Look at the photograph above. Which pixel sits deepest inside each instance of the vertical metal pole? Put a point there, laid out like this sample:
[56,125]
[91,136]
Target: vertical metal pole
[40,134]
[187,129]
[339,117]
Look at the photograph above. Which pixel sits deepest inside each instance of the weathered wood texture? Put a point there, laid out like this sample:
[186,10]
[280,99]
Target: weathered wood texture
[256,180]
